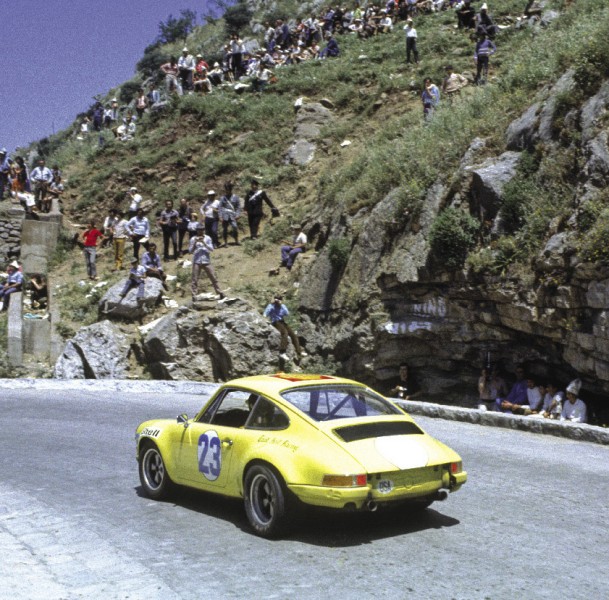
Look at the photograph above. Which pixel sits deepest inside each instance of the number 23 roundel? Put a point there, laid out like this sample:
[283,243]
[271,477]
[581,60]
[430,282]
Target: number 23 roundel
[210,456]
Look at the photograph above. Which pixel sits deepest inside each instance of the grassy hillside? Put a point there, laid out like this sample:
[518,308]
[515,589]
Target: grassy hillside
[199,142]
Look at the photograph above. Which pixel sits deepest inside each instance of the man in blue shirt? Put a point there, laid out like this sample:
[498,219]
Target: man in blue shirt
[276,311]
[518,394]
[14,283]
[151,261]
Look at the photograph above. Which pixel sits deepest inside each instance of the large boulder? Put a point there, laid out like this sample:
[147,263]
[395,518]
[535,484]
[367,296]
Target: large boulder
[212,342]
[99,351]
[128,308]
[488,182]
[520,133]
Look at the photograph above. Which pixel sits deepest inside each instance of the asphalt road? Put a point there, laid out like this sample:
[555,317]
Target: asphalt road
[532,521]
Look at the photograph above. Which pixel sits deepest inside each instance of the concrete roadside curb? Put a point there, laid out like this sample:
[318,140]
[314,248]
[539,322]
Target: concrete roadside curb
[575,431]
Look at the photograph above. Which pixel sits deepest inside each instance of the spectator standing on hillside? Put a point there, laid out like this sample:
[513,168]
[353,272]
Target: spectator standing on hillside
[411,42]
[41,178]
[290,249]
[230,211]
[112,114]
[184,218]
[430,98]
[574,409]
[276,311]
[236,56]
[209,211]
[90,237]
[485,48]
[5,168]
[20,181]
[168,222]
[201,247]
[171,72]
[135,200]
[120,232]
[254,208]
[139,230]
[108,227]
[13,283]
[141,103]
[186,67]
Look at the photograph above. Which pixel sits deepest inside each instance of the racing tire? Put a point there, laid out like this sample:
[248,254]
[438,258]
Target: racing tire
[265,500]
[153,474]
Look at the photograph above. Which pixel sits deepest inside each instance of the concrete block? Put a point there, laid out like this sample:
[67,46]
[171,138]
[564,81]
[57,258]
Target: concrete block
[38,241]
[15,330]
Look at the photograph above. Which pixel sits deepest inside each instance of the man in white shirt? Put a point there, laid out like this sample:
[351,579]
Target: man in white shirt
[134,201]
[291,249]
[42,178]
[574,409]
[411,41]
[186,67]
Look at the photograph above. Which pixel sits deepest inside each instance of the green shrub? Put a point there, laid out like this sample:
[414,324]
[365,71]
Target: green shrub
[339,250]
[452,235]
[594,246]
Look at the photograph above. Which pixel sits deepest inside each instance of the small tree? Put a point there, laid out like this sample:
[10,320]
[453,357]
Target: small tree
[175,29]
[237,17]
[452,236]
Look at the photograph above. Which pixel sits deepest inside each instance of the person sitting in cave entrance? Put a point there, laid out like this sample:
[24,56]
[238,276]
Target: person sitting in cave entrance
[518,394]
[405,388]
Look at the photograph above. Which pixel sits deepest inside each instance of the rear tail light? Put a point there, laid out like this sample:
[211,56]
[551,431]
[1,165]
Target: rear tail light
[360,480]
[456,467]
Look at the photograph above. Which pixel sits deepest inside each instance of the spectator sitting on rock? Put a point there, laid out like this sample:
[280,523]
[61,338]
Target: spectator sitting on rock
[13,283]
[151,261]
[574,409]
[290,249]
[518,394]
[552,402]
[56,189]
[202,83]
[534,398]
[261,78]
[137,277]
[276,311]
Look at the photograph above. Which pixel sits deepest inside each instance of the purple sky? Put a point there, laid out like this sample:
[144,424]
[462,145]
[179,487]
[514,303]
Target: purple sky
[57,54]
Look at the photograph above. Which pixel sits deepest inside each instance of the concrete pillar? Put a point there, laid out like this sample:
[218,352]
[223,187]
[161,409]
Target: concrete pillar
[38,241]
[15,330]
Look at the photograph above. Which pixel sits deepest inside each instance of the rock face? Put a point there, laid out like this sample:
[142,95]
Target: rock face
[310,118]
[213,343]
[129,308]
[99,351]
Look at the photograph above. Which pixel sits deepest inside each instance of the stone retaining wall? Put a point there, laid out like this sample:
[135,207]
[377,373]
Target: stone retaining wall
[10,239]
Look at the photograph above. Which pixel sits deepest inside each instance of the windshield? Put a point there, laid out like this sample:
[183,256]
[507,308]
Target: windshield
[325,403]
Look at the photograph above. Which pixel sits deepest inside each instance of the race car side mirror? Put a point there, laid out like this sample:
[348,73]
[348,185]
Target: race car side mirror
[183,418]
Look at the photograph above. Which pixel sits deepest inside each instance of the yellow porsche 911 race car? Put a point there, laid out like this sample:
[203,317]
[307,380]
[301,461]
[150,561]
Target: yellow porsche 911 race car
[275,440]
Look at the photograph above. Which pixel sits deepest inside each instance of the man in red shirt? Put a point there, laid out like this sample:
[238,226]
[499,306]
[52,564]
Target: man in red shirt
[90,237]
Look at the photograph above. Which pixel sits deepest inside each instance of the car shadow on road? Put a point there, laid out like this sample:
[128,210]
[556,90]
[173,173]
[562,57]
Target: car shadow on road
[319,527]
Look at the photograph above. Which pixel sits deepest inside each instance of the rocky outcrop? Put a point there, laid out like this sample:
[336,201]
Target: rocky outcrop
[99,351]
[310,118]
[112,306]
[212,342]
[10,238]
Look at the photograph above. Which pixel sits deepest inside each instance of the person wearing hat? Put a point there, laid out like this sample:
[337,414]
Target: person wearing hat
[277,311]
[484,23]
[216,75]
[186,67]
[5,167]
[574,409]
[13,283]
[137,277]
[210,211]
[201,247]
[135,200]
[411,41]
[253,207]
[291,249]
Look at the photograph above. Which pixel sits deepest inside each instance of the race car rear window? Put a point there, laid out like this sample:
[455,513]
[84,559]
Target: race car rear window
[329,402]
[374,430]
